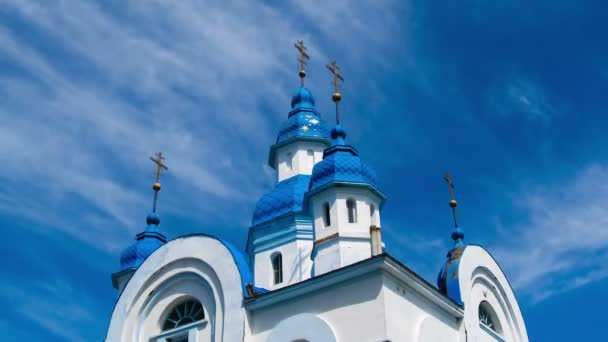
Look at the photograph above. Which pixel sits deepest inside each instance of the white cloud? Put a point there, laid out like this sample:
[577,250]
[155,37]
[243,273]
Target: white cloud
[188,78]
[564,243]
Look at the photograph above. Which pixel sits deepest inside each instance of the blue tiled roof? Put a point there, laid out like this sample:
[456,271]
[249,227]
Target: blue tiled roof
[447,280]
[303,120]
[286,197]
[341,163]
[146,243]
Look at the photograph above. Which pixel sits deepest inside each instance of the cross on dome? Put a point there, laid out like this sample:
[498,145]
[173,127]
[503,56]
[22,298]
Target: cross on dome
[336,96]
[159,167]
[457,235]
[303,59]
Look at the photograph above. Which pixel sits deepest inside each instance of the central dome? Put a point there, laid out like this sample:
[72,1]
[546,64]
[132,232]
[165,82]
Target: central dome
[302,98]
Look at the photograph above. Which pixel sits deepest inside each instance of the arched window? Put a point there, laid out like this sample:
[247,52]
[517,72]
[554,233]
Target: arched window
[326,216]
[372,214]
[289,161]
[310,159]
[277,268]
[351,205]
[186,312]
[487,317]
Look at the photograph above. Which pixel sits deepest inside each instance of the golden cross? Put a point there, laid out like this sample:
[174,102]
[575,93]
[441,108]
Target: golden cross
[303,54]
[159,164]
[453,202]
[335,69]
[302,59]
[448,179]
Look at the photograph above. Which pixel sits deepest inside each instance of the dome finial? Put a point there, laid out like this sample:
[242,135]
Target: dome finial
[457,235]
[336,96]
[159,166]
[302,59]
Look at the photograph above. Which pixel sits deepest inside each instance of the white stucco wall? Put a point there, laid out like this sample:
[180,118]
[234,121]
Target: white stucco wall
[297,264]
[301,160]
[353,243]
[410,317]
[372,307]
[354,311]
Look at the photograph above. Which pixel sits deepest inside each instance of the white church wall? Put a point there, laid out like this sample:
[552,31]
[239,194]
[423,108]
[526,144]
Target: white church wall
[297,264]
[353,243]
[294,158]
[198,267]
[354,311]
[482,280]
[411,317]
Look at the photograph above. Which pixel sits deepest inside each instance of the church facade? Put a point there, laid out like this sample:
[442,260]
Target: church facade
[314,267]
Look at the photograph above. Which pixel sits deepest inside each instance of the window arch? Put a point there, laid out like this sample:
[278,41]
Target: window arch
[351,205]
[184,313]
[487,316]
[310,158]
[277,268]
[289,161]
[326,215]
[372,214]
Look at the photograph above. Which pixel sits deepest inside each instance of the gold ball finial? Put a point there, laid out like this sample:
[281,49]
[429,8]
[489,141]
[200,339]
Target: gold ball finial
[453,203]
[336,97]
[302,73]
[156,186]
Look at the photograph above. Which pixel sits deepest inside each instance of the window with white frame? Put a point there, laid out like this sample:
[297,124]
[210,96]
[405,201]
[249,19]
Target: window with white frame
[488,318]
[310,159]
[326,215]
[372,214]
[277,268]
[182,321]
[351,205]
[289,161]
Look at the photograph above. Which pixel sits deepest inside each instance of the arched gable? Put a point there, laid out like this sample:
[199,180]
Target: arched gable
[482,281]
[198,266]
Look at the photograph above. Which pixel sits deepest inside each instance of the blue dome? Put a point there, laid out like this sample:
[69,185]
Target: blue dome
[341,163]
[447,279]
[303,120]
[146,243]
[286,197]
[302,98]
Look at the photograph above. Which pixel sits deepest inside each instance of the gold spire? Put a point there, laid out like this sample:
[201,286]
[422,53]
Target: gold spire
[159,166]
[336,96]
[302,59]
[453,202]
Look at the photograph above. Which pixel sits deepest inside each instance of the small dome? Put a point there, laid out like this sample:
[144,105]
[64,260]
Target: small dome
[341,163]
[286,197]
[302,98]
[447,279]
[146,243]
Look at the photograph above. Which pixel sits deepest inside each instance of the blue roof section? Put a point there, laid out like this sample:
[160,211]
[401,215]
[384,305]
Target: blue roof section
[341,163]
[448,281]
[146,243]
[303,123]
[286,197]
[302,98]
[303,120]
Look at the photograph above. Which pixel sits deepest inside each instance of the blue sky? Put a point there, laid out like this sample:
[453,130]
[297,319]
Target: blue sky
[507,95]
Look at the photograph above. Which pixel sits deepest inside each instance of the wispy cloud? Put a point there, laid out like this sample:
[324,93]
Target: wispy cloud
[564,243]
[53,305]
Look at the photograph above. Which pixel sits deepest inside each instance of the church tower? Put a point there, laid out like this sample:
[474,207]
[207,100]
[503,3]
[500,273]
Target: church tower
[344,201]
[281,235]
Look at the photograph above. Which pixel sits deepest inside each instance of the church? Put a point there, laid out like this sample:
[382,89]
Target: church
[314,267]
